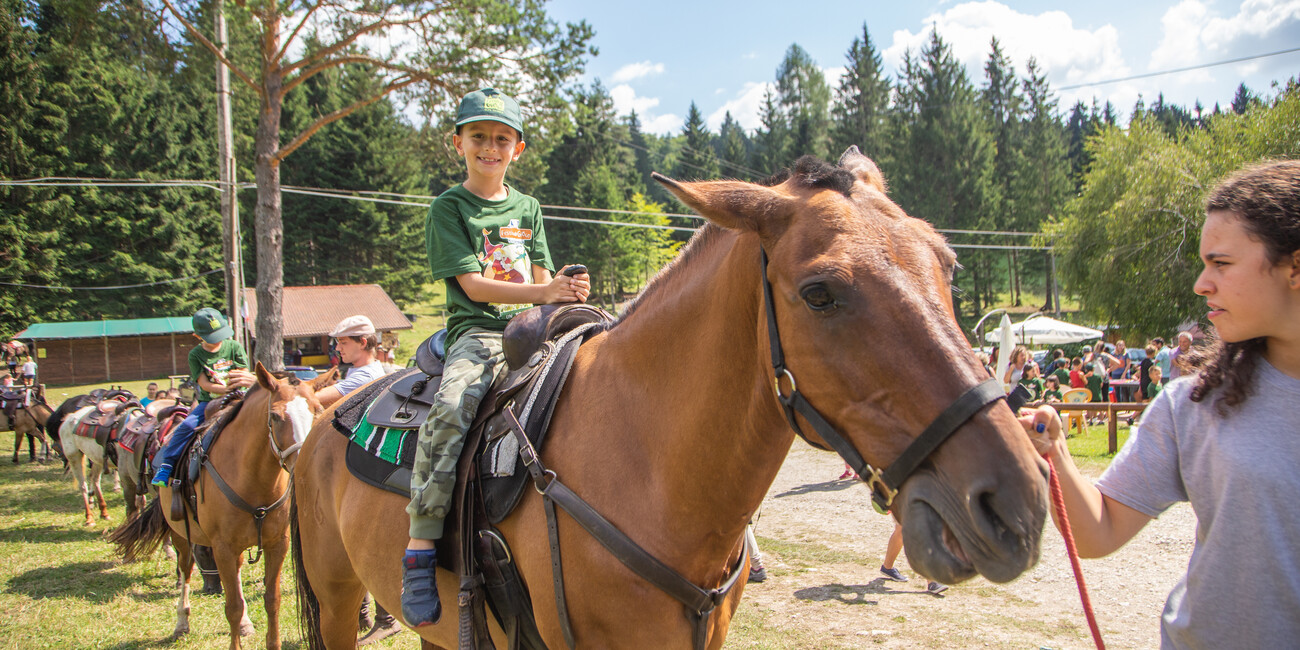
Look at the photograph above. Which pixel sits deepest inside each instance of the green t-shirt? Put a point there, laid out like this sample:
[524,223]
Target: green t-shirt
[1063,375]
[502,240]
[1153,389]
[1035,387]
[1094,385]
[1049,394]
[216,365]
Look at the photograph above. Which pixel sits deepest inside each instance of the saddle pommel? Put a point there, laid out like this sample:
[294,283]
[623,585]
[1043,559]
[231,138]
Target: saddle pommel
[529,330]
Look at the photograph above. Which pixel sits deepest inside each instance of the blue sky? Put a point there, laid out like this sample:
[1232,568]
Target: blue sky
[658,57]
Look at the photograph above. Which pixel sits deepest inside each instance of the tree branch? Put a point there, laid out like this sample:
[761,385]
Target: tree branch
[214,49]
[419,75]
[294,34]
[343,43]
[341,113]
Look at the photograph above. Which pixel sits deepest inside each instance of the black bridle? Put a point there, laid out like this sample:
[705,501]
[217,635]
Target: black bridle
[883,484]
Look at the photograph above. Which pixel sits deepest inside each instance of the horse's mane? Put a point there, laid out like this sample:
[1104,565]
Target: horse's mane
[811,172]
[701,240]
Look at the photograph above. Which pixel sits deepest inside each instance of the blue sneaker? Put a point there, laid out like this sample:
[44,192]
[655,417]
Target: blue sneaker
[893,574]
[162,476]
[420,603]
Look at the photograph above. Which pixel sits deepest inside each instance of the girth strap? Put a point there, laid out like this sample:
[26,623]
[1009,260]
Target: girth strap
[699,601]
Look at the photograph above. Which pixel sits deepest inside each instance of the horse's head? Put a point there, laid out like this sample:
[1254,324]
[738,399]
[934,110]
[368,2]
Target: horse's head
[860,294]
[291,407]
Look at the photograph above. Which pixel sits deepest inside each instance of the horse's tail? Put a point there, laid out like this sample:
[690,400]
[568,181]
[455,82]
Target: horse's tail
[308,604]
[140,536]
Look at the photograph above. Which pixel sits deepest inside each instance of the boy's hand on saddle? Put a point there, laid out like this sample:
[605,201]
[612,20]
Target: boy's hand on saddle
[568,288]
[1043,426]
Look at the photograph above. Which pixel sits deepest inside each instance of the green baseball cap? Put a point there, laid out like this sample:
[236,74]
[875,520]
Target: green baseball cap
[211,326]
[490,104]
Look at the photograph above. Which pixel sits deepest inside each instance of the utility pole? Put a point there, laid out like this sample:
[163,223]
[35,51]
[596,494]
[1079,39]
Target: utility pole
[226,174]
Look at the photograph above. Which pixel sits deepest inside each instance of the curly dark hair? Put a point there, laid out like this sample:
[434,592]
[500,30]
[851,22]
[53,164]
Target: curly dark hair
[1266,198]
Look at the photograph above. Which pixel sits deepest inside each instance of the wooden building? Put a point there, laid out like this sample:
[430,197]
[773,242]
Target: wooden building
[88,352]
[310,314]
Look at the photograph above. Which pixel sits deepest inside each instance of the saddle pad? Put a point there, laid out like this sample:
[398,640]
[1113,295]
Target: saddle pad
[378,456]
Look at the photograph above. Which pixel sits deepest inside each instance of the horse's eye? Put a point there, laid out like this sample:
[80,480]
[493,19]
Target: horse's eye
[817,297]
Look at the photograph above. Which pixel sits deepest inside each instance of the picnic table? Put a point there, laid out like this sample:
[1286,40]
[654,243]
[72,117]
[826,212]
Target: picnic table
[1112,409]
[1124,389]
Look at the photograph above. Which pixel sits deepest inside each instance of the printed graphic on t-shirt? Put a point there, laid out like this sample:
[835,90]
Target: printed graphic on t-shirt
[219,370]
[507,262]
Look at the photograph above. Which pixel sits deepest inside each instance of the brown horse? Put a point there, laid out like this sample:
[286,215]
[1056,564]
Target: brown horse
[29,421]
[670,428]
[253,454]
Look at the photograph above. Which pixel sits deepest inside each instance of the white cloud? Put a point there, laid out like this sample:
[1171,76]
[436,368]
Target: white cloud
[1069,55]
[744,107]
[637,70]
[626,100]
[1193,35]
[668,124]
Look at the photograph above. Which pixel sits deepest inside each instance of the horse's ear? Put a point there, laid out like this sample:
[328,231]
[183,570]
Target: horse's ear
[863,167]
[730,204]
[264,377]
[327,379]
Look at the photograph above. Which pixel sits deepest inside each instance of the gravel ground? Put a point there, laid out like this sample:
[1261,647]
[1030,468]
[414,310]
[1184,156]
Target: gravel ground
[845,602]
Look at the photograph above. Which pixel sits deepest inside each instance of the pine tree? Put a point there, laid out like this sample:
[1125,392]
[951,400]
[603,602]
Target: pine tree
[697,159]
[733,154]
[862,102]
[772,141]
[1041,184]
[805,100]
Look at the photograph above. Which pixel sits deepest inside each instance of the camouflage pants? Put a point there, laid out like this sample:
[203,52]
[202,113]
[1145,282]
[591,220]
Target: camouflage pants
[472,363]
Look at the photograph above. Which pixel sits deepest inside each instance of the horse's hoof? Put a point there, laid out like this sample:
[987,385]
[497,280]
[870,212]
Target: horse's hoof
[180,631]
[246,628]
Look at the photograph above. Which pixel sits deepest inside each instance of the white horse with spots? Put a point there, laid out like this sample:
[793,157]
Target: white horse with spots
[79,449]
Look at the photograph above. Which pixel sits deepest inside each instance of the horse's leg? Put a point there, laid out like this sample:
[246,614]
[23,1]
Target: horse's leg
[274,557]
[229,561]
[77,464]
[31,447]
[96,474]
[184,567]
[128,494]
[18,441]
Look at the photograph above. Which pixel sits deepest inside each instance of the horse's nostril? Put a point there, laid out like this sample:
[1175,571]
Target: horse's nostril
[990,513]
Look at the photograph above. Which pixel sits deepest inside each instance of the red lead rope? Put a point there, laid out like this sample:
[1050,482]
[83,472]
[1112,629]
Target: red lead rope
[1058,501]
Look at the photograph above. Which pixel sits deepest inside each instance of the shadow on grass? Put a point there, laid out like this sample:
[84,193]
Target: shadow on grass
[828,486]
[49,534]
[90,581]
[852,594]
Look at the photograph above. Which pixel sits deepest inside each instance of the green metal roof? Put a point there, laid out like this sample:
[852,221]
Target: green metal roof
[93,329]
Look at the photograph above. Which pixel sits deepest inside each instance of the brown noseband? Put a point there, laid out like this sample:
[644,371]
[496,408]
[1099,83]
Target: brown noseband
[884,484]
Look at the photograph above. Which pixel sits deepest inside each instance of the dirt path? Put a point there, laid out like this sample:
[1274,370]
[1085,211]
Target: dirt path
[824,543]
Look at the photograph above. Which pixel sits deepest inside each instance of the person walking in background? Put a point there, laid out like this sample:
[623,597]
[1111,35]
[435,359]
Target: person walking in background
[892,549]
[1144,371]
[29,372]
[1223,439]
[1162,358]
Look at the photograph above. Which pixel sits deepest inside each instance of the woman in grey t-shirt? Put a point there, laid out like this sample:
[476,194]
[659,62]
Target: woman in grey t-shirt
[1224,439]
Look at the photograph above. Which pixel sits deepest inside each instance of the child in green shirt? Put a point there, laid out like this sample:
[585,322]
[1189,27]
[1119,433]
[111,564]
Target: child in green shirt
[1051,389]
[486,239]
[1029,379]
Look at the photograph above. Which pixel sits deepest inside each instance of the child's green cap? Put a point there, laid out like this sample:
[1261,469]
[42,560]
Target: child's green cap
[490,104]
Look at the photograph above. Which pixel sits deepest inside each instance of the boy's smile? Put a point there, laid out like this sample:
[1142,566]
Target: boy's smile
[488,147]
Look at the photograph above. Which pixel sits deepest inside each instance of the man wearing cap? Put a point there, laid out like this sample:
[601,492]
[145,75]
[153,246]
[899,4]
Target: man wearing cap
[218,364]
[356,342]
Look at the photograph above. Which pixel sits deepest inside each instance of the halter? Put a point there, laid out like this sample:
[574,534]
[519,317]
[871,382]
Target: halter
[282,457]
[883,484]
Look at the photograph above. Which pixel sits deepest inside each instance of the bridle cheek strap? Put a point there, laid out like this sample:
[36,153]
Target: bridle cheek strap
[884,484]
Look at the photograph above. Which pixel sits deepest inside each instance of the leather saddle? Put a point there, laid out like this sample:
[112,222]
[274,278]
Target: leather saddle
[10,402]
[540,345]
[102,422]
[151,425]
[195,453]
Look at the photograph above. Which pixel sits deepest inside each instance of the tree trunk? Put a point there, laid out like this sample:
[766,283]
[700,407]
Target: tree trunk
[1015,277]
[268,218]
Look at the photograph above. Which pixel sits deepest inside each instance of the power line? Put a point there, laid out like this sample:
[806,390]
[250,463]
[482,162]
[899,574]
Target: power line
[355,195]
[1177,70]
[116,288]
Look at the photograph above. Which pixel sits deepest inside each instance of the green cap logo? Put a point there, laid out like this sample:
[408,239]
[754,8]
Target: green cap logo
[494,104]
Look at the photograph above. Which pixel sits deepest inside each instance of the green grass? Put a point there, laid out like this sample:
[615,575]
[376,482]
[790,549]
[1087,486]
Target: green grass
[62,586]
[430,316]
[1090,451]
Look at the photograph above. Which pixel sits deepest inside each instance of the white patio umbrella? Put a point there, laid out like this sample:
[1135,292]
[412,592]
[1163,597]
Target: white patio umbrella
[1004,335]
[1044,330]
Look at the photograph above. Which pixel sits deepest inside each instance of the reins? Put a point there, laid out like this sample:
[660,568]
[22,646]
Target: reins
[884,483]
[1058,501]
